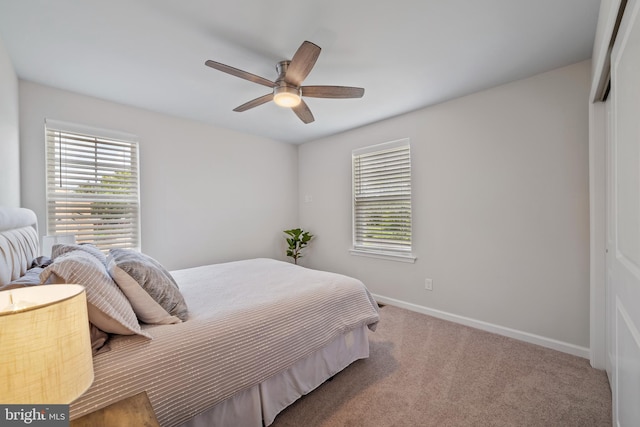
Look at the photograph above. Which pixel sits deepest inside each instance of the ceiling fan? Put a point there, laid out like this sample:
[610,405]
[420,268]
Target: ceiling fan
[287,89]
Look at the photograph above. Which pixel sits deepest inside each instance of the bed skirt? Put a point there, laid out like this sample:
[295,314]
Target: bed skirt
[266,400]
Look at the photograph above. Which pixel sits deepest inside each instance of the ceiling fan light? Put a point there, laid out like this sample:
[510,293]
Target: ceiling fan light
[286,96]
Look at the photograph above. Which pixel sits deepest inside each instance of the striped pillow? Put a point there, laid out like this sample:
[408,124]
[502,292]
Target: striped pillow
[108,307]
[61,249]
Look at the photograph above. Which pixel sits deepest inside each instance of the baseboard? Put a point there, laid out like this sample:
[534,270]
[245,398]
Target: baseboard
[489,327]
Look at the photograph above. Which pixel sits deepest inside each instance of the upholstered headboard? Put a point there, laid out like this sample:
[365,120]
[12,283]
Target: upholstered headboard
[18,242]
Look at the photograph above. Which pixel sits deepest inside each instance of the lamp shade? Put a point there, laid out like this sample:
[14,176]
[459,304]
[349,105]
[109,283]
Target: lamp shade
[45,346]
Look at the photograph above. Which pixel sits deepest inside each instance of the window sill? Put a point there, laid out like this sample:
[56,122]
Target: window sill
[390,256]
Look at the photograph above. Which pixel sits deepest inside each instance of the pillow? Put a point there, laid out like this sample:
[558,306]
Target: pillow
[30,278]
[32,275]
[150,288]
[60,249]
[108,308]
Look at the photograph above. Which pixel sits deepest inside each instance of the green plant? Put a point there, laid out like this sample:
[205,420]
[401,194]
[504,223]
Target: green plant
[297,240]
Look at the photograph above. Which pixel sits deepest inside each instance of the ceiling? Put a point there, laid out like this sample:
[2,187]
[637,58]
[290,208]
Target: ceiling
[407,54]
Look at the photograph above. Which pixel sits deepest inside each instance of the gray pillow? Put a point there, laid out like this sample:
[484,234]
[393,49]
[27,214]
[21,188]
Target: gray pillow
[150,288]
[108,307]
[30,278]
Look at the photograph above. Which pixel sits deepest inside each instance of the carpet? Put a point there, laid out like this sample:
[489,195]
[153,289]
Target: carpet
[424,371]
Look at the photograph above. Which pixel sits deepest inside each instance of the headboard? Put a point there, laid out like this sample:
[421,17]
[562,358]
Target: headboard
[18,242]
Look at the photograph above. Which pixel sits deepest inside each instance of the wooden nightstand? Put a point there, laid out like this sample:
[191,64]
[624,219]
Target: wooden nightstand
[134,411]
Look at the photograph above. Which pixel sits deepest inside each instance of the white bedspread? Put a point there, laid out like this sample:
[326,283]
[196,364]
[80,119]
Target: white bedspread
[249,320]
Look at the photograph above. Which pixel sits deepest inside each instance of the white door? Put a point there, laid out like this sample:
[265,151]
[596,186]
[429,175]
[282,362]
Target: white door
[623,257]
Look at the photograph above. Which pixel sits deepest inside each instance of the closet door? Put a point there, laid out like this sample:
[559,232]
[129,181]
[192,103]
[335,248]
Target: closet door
[623,257]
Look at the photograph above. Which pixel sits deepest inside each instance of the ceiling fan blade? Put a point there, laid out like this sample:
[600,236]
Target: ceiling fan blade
[254,103]
[303,112]
[239,73]
[332,91]
[302,62]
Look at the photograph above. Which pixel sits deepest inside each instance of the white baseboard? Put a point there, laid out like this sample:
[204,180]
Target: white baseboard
[489,327]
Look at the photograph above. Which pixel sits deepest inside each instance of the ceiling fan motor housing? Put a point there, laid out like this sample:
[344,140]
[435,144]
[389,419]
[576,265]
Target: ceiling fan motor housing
[285,94]
[281,68]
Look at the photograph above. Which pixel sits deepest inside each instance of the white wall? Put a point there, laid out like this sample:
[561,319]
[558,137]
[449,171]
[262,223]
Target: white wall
[207,194]
[500,206]
[9,141]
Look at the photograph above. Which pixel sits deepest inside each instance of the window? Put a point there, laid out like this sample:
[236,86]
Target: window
[92,185]
[382,201]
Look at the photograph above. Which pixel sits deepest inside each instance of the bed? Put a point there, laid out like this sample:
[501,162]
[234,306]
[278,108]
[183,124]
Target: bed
[258,334]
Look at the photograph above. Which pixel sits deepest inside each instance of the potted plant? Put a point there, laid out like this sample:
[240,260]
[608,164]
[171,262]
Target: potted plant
[297,240]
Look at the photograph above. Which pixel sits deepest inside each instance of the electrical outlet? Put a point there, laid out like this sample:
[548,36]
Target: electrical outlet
[428,284]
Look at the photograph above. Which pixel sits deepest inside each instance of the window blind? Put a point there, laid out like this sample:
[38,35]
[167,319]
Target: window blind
[382,197]
[92,188]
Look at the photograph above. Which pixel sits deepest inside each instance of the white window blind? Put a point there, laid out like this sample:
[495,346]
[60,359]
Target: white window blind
[92,187]
[382,198]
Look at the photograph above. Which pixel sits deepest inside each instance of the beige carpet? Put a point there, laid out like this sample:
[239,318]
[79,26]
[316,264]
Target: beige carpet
[428,372]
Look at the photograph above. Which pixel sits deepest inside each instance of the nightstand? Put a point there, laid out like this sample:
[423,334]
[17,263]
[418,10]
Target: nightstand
[134,411]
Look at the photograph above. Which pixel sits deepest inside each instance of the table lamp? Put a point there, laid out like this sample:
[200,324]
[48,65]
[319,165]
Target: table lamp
[45,346]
